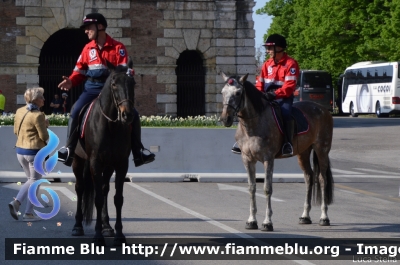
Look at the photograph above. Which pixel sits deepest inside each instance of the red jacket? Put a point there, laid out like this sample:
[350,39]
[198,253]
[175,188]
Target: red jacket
[91,62]
[259,85]
[284,73]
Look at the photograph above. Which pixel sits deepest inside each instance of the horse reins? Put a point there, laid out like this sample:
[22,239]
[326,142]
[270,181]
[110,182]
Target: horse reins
[116,104]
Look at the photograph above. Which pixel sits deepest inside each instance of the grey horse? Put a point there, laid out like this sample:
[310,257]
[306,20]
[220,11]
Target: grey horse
[259,138]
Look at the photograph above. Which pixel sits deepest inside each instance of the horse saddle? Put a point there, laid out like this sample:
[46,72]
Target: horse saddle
[82,121]
[300,121]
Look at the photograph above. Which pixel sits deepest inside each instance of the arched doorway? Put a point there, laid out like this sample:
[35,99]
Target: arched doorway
[190,84]
[57,58]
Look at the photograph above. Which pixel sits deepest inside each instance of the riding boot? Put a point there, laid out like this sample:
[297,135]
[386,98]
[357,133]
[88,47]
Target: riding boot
[236,149]
[139,158]
[66,156]
[287,149]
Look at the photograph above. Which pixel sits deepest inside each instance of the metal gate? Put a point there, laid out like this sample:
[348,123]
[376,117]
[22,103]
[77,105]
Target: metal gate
[58,58]
[51,70]
[190,84]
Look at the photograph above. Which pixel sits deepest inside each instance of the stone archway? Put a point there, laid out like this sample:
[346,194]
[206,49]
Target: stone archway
[57,58]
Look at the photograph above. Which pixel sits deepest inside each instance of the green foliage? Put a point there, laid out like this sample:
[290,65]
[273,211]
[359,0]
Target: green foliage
[334,34]
[151,121]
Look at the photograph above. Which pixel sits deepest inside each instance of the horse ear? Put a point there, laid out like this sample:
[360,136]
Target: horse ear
[110,66]
[243,78]
[224,76]
[130,62]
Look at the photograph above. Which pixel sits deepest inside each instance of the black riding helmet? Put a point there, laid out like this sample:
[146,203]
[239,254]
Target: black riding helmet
[94,18]
[276,40]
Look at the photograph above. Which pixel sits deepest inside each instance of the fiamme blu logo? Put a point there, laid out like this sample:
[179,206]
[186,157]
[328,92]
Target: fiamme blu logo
[44,167]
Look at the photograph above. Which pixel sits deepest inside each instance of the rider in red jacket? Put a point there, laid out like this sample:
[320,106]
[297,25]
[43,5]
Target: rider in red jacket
[279,77]
[278,80]
[92,66]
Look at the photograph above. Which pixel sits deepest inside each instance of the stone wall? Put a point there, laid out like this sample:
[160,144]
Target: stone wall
[154,32]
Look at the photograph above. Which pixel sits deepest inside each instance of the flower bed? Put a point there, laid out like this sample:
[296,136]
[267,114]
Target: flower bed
[146,121]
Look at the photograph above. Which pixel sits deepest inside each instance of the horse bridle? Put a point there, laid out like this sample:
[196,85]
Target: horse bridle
[237,109]
[116,104]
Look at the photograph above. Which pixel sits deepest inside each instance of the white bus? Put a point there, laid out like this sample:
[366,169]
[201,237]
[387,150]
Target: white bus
[370,87]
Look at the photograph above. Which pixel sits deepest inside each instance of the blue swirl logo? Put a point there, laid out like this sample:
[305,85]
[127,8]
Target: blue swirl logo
[32,197]
[40,157]
[49,164]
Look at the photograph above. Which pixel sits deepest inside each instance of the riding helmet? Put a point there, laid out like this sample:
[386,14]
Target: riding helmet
[276,40]
[94,18]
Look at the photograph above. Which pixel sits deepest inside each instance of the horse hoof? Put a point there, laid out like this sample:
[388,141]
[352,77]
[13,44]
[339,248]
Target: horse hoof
[109,232]
[78,231]
[305,220]
[324,222]
[267,227]
[251,225]
[118,241]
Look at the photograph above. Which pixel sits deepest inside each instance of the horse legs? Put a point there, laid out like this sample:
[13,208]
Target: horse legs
[107,230]
[97,174]
[251,177]
[78,168]
[324,176]
[120,174]
[269,169]
[304,163]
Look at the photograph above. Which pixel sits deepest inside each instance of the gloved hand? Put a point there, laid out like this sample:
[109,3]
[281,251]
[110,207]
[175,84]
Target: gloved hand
[270,95]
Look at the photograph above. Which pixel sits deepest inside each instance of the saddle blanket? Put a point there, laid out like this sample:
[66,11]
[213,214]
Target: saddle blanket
[300,121]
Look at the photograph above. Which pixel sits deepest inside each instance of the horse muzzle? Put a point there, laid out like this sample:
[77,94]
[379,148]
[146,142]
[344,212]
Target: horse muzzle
[227,116]
[227,120]
[126,116]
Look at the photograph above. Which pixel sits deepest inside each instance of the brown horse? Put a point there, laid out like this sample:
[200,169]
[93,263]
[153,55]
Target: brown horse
[259,138]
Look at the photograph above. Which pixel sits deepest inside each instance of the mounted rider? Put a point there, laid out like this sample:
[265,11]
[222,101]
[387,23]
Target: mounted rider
[92,66]
[278,80]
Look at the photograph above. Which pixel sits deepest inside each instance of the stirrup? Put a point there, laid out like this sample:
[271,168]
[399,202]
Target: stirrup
[62,158]
[236,150]
[65,160]
[140,160]
[290,153]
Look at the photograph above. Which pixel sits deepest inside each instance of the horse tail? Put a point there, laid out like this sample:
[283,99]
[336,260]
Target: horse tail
[317,193]
[88,195]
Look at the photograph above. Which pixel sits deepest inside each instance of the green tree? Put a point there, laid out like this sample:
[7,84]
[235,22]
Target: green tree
[334,34]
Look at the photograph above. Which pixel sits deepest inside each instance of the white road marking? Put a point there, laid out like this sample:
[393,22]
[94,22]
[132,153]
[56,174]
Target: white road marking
[377,171]
[69,194]
[213,222]
[367,176]
[335,170]
[245,190]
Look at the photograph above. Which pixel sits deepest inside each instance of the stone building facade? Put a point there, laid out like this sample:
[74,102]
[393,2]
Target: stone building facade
[155,33]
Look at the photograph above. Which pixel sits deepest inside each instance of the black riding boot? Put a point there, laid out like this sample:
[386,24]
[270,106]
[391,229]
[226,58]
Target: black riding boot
[236,149]
[136,143]
[66,156]
[287,149]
